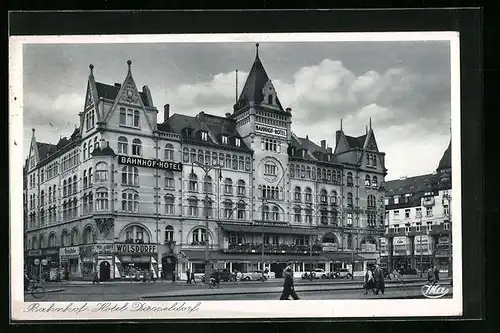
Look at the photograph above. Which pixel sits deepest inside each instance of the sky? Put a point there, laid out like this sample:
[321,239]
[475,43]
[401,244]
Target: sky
[404,87]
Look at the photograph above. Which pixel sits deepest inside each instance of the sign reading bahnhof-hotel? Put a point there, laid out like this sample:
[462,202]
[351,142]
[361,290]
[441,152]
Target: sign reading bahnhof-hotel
[143,162]
[270,130]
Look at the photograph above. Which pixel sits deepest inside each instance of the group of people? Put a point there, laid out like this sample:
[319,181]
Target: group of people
[374,280]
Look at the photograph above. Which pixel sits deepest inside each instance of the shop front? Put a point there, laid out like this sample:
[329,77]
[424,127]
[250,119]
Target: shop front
[69,258]
[31,266]
[51,269]
[443,252]
[132,258]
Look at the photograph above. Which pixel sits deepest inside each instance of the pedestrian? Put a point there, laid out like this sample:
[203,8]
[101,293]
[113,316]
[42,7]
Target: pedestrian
[188,276]
[153,277]
[95,277]
[192,277]
[436,274]
[378,275]
[369,281]
[432,277]
[288,288]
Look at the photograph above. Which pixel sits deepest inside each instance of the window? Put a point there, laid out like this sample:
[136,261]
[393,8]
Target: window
[323,197]
[333,198]
[200,156]
[123,116]
[308,194]
[185,155]
[349,241]
[270,169]
[241,163]
[371,201]
[297,195]
[52,240]
[42,198]
[269,145]
[228,209]
[308,172]
[136,147]
[74,237]
[407,227]
[199,236]
[419,226]
[235,238]
[214,158]
[207,158]
[169,233]
[102,202]
[42,175]
[130,201]
[301,240]
[296,214]
[169,205]
[241,188]
[91,201]
[129,117]
[396,228]
[207,203]
[84,151]
[65,189]
[237,142]
[136,234]
[349,179]
[374,181]
[428,211]
[101,172]
[418,212]
[349,219]
[224,139]
[446,209]
[446,225]
[349,199]
[396,214]
[324,216]
[368,181]
[372,220]
[204,136]
[396,199]
[169,179]
[193,207]
[122,145]
[85,179]
[407,213]
[136,118]
[192,155]
[265,213]
[193,183]
[276,214]
[228,161]
[228,186]
[308,215]
[429,226]
[130,175]
[90,119]
[241,210]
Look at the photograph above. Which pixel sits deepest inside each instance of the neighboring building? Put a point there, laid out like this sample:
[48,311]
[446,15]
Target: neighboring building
[125,191]
[418,220]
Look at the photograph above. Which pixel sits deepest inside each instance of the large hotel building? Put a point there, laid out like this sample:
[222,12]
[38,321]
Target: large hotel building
[126,191]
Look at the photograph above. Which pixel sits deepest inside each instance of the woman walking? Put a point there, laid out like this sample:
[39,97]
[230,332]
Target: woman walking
[369,281]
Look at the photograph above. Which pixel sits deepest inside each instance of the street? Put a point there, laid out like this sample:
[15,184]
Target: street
[162,291]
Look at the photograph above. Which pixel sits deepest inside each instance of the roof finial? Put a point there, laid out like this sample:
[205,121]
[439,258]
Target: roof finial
[366,129]
[257,51]
[341,124]
[33,130]
[370,122]
[91,69]
[129,63]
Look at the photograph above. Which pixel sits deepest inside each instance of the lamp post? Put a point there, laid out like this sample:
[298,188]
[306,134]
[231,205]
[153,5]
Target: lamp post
[206,169]
[447,199]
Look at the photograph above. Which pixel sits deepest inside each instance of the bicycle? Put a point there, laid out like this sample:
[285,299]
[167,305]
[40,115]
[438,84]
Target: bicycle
[36,290]
[214,284]
[401,284]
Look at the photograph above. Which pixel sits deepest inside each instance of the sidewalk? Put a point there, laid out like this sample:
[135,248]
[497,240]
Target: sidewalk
[269,289]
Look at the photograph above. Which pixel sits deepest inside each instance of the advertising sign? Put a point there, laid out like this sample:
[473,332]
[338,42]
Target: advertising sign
[103,248]
[135,248]
[330,247]
[148,163]
[69,251]
[34,253]
[270,130]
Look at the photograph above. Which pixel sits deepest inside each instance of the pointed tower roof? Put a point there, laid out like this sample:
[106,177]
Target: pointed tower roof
[445,162]
[255,83]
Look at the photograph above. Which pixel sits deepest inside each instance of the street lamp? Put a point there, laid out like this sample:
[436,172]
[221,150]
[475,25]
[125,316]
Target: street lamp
[207,168]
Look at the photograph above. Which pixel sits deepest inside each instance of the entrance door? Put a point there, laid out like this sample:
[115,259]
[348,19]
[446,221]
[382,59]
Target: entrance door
[104,271]
[168,265]
[278,268]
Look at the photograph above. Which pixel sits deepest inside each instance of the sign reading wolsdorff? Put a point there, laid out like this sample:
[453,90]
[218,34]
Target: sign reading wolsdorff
[144,162]
[270,130]
[135,248]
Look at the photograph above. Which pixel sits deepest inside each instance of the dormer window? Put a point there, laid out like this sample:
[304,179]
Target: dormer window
[204,136]
[224,139]
[237,142]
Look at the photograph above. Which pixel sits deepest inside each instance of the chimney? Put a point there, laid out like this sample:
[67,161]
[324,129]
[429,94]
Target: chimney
[118,85]
[329,149]
[228,115]
[147,92]
[289,110]
[323,144]
[166,112]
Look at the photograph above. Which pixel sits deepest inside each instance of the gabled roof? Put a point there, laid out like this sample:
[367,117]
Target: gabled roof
[356,142]
[252,90]
[412,185]
[46,149]
[445,162]
[110,92]
[315,153]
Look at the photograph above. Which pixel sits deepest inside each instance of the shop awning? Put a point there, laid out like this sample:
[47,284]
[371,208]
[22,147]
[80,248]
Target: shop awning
[342,256]
[238,257]
[258,229]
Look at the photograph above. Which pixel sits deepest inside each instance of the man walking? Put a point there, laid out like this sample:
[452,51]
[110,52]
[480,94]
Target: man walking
[378,275]
[188,276]
[288,288]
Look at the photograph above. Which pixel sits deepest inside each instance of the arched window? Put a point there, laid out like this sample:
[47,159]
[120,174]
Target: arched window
[329,175]
[371,201]
[265,213]
[296,214]
[169,179]
[169,233]
[228,209]
[241,162]
[308,215]
[323,174]
[193,206]
[208,207]
[91,201]
[324,216]
[349,199]
[374,181]
[199,236]
[308,172]
[228,161]
[185,155]
[130,201]
[221,159]
[123,116]
[122,145]
[207,157]
[90,176]
[228,186]
[64,238]
[42,197]
[207,184]
[193,182]
[101,200]
[235,162]
[214,158]
[136,118]
[241,210]
[41,242]
[339,177]
[74,237]
[84,151]
[297,195]
[308,194]
[323,196]
[52,240]
[302,171]
[368,181]
[169,204]
[200,156]
[241,188]
[65,188]
[87,235]
[136,147]
[330,238]
[350,181]
[130,175]
[91,148]
[135,234]
[101,172]
[193,155]
[349,241]
[34,243]
[85,184]
[276,214]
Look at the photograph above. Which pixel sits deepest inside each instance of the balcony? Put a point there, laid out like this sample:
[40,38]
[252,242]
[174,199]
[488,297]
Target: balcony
[272,248]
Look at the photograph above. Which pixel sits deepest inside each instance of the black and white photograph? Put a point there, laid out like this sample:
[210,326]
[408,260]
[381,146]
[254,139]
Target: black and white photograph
[262,174]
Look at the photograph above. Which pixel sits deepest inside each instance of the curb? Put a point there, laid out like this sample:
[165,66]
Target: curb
[48,291]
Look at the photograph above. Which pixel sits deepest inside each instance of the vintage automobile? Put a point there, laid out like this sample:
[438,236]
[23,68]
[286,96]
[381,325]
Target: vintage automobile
[342,274]
[256,276]
[317,273]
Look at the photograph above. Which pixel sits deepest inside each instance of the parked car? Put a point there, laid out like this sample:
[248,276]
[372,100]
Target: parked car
[224,274]
[317,273]
[256,275]
[342,274]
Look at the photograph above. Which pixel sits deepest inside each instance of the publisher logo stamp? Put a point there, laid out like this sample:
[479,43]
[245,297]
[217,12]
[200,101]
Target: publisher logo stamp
[434,290]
